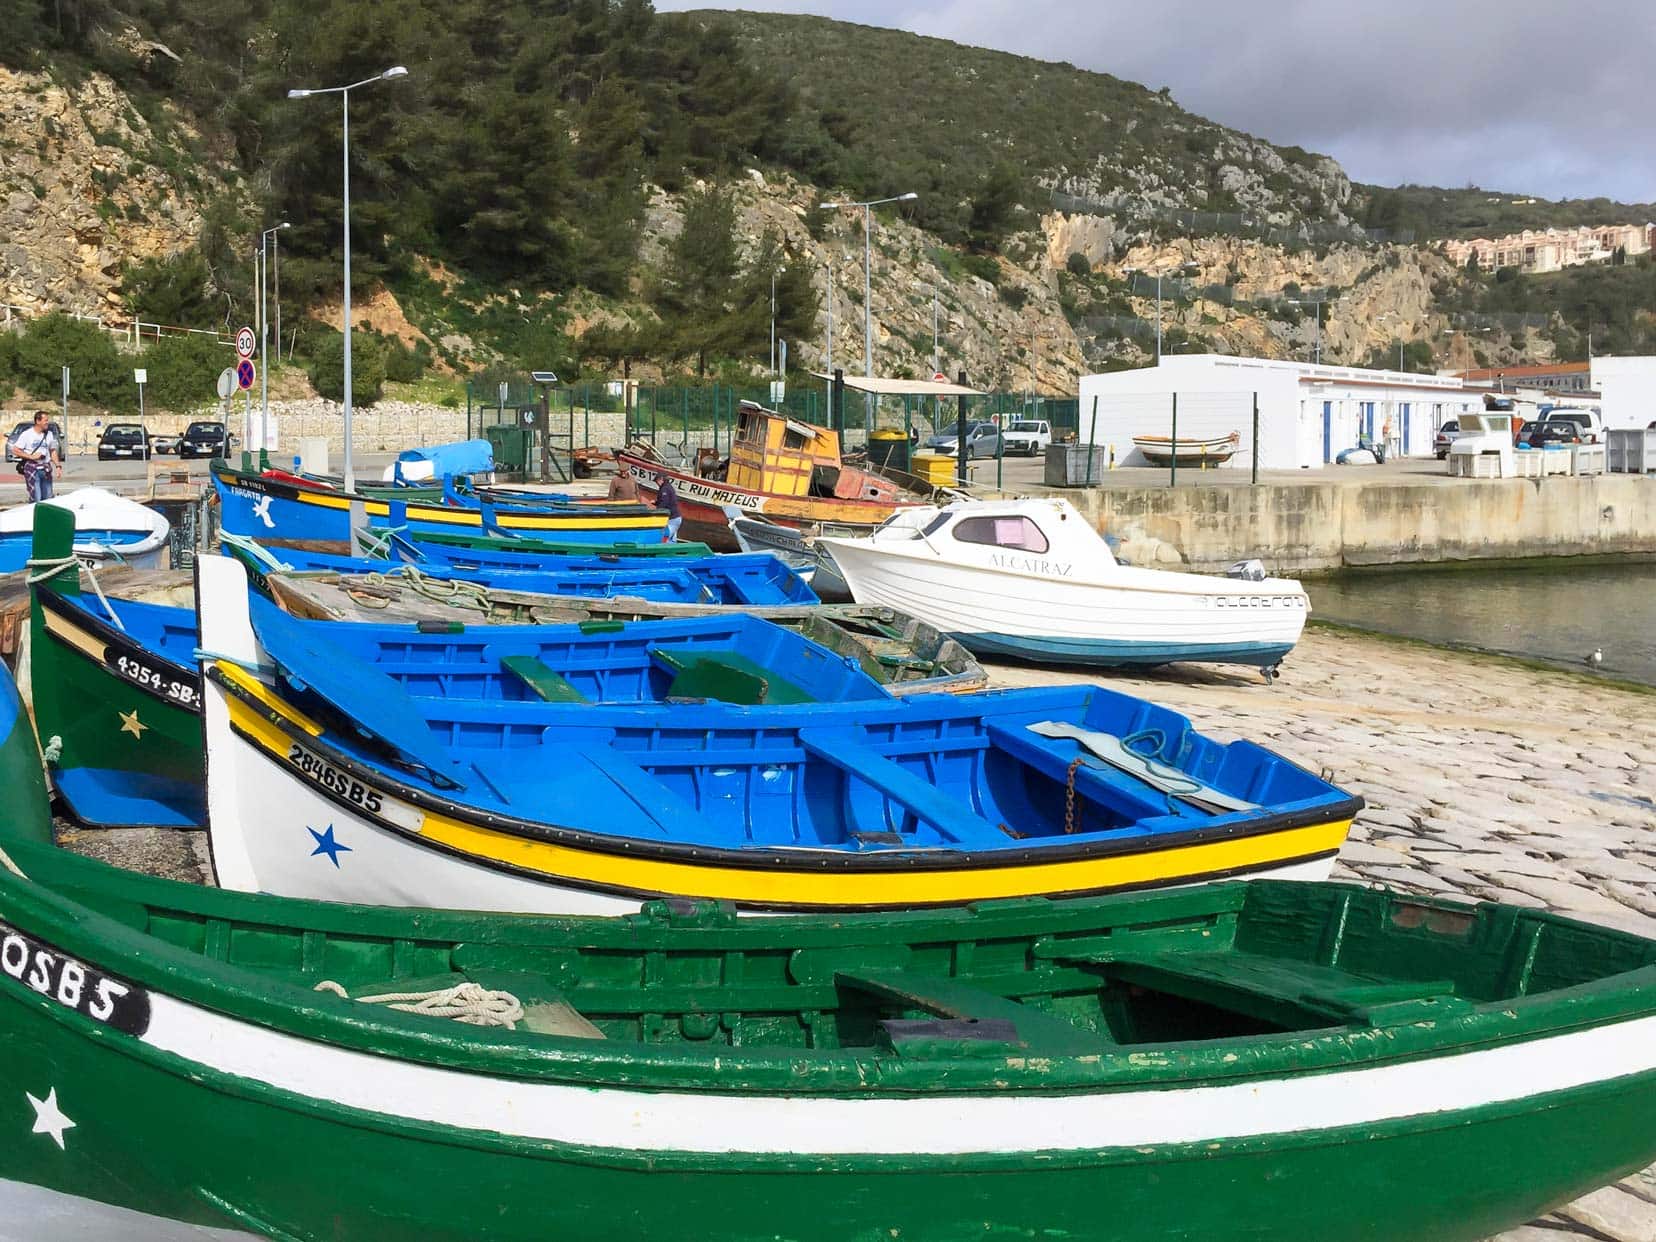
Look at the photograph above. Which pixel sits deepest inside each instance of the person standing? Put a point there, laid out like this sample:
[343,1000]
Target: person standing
[667,500]
[38,454]
[623,486]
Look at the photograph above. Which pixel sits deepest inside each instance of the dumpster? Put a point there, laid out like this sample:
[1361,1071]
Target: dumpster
[511,448]
[1068,465]
[888,449]
[937,469]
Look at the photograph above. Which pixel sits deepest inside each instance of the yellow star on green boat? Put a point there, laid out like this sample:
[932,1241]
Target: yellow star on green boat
[131,724]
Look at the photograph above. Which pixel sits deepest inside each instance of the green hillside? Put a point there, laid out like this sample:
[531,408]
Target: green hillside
[1433,212]
[883,112]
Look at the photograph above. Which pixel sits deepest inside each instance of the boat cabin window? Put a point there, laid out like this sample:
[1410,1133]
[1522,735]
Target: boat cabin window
[1002,532]
[935,525]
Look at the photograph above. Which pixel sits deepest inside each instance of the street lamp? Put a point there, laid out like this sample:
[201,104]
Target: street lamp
[778,272]
[1319,305]
[1183,269]
[266,237]
[868,277]
[344,93]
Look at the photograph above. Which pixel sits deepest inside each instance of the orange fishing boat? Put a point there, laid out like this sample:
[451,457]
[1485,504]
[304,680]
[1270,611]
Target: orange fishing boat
[789,472]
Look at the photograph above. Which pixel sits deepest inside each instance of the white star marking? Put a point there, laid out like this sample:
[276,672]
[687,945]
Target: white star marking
[49,1118]
[261,510]
[131,724]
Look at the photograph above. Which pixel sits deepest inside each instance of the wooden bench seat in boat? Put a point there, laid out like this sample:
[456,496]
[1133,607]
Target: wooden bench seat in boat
[727,677]
[549,684]
[952,817]
[1276,990]
[950,998]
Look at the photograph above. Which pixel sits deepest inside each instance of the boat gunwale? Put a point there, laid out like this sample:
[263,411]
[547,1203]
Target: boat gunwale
[816,859]
[272,1001]
[856,503]
[75,611]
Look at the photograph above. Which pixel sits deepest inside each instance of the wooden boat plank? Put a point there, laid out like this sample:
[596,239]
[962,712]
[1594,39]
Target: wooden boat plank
[951,998]
[953,819]
[546,682]
[1272,989]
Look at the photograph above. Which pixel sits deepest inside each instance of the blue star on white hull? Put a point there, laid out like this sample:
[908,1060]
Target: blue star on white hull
[261,510]
[325,844]
[49,1118]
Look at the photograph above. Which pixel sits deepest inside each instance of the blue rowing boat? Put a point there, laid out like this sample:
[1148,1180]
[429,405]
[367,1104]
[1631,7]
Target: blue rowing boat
[757,580]
[277,506]
[546,772]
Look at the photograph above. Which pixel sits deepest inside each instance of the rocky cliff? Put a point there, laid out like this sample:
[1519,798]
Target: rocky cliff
[89,186]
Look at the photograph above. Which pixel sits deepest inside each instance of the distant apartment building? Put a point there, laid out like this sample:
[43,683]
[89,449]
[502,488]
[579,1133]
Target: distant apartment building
[1559,377]
[1552,249]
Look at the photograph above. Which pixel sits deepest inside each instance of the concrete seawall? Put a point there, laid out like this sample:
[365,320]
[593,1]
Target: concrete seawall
[1302,527]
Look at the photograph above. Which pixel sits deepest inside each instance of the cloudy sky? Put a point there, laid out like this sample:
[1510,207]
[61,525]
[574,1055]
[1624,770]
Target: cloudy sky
[1525,95]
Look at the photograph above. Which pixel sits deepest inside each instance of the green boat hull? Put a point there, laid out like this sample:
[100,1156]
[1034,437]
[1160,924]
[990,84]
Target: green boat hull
[125,748]
[233,1154]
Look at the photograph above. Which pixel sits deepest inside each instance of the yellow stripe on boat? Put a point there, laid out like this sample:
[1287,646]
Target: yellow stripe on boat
[801,888]
[649,520]
[61,627]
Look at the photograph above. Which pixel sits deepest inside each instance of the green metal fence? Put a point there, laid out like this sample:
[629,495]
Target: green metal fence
[681,414]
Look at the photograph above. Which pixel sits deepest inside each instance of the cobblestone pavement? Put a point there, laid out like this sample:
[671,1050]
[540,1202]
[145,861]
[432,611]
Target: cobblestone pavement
[1484,778]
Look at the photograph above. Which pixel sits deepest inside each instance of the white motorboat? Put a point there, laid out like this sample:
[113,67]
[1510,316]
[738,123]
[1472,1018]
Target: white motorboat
[108,528]
[1033,580]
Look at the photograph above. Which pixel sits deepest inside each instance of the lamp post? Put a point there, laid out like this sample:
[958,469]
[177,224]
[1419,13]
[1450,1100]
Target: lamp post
[868,278]
[778,272]
[344,93]
[1183,269]
[1319,304]
[264,334]
[276,298]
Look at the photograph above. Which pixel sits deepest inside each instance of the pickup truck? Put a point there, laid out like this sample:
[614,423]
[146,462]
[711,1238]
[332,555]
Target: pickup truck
[1029,436]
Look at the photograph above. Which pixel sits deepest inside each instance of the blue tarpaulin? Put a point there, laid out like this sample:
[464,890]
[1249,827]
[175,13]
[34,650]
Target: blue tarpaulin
[461,457]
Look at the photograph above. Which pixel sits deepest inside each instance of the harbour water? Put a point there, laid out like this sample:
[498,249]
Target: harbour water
[1557,614]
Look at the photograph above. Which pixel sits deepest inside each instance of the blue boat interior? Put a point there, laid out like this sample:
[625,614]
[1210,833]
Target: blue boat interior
[932,772]
[755,579]
[16,547]
[161,629]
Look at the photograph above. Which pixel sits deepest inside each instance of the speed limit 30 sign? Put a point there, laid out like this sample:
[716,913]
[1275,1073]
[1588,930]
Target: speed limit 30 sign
[244,342]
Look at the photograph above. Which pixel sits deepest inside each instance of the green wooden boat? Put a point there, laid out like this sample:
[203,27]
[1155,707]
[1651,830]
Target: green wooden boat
[1265,1061]
[116,694]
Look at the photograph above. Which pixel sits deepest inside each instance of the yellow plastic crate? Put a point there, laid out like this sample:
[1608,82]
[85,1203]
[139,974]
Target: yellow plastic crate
[935,468]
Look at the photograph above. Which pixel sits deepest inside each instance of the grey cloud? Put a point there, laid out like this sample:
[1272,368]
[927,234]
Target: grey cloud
[1523,96]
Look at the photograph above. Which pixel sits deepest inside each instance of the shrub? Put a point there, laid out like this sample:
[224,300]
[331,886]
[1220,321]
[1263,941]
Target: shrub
[325,363]
[1077,264]
[98,374]
[183,370]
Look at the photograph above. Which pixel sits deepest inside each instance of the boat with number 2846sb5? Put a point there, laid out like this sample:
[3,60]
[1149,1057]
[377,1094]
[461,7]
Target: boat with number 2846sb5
[718,758]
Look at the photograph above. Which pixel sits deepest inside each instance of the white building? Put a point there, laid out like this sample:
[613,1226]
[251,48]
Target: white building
[1627,390]
[1307,413]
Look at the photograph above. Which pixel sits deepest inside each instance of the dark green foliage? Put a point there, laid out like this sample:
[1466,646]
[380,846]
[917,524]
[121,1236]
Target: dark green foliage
[403,364]
[1417,357]
[182,371]
[994,208]
[697,294]
[1077,264]
[98,374]
[177,290]
[8,362]
[1616,304]
[325,363]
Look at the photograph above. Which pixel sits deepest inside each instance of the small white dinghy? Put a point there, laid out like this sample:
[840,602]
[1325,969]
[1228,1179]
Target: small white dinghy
[108,528]
[1033,580]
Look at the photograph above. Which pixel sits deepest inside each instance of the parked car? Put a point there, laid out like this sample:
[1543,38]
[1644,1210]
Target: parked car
[1030,436]
[1522,435]
[982,440]
[1551,430]
[53,426]
[1591,422]
[124,440]
[161,446]
[204,440]
[1445,437]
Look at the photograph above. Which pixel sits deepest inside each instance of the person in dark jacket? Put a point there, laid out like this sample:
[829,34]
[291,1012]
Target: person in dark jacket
[667,500]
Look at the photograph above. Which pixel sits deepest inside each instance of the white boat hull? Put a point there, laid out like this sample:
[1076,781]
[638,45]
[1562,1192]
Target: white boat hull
[1034,608]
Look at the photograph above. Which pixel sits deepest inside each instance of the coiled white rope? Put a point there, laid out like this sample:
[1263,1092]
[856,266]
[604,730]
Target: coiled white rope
[466,1002]
[47,568]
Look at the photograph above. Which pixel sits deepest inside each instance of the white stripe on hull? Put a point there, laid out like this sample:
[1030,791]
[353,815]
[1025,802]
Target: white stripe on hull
[715,1123]
[968,599]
